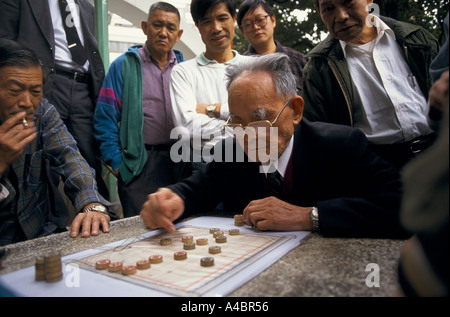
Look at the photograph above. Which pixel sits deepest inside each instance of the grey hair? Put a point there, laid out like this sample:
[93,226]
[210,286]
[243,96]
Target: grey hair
[276,64]
[164,6]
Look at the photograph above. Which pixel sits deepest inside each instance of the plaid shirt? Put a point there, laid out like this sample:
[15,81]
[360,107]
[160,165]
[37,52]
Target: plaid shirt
[25,209]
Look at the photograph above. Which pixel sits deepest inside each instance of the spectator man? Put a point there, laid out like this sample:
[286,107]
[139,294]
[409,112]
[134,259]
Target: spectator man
[199,95]
[372,73]
[133,117]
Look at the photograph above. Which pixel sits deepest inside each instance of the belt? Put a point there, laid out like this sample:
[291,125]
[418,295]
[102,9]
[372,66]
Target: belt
[406,150]
[158,147]
[79,77]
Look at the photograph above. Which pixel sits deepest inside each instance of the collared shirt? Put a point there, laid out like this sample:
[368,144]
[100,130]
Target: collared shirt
[25,209]
[63,57]
[283,160]
[390,105]
[156,103]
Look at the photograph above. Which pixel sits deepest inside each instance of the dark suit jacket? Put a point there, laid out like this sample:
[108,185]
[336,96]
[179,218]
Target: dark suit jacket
[357,193]
[29,23]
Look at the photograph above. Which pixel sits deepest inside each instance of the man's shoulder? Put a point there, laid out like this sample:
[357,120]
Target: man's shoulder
[324,47]
[333,135]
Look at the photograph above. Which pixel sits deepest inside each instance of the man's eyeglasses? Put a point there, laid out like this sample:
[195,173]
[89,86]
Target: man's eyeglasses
[255,125]
[260,21]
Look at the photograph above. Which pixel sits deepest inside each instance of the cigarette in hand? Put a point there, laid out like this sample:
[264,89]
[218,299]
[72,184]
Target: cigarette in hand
[25,123]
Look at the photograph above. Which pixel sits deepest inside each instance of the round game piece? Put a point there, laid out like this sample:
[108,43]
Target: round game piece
[202,241]
[218,234]
[55,257]
[238,220]
[102,264]
[180,255]
[221,239]
[215,249]
[129,270]
[207,261]
[53,268]
[187,239]
[165,241]
[53,277]
[115,267]
[212,230]
[143,264]
[234,232]
[155,259]
[189,246]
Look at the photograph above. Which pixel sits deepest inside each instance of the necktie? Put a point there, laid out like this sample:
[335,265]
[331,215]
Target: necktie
[275,181]
[73,40]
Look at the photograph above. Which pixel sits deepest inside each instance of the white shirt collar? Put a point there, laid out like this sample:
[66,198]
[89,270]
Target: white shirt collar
[202,60]
[283,160]
[381,27]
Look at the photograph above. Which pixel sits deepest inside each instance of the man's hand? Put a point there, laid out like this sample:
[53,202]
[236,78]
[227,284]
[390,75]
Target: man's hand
[272,213]
[89,223]
[161,209]
[14,137]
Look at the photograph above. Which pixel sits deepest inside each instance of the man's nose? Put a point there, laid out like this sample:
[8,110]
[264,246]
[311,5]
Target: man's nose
[341,14]
[216,26]
[26,100]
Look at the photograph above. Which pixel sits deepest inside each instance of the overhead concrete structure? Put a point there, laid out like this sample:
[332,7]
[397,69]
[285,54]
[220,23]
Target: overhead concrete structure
[136,11]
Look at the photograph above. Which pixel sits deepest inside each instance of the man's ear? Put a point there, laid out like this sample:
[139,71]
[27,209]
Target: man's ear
[297,104]
[144,27]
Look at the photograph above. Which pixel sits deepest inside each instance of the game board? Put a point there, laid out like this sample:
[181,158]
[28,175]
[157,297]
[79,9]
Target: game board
[242,258]
[185,277]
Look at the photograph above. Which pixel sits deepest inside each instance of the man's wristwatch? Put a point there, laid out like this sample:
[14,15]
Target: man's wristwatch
[314,213]
[210,110]
[97,208]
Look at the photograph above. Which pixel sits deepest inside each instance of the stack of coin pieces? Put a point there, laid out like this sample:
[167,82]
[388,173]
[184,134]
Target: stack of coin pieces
[180,255]
[102,264]
[155,259]
[129,270]
[215,249]
[207,261]
[165,241]
[40,272]
[218,234]
[143,264]
[238,220]
[53,268]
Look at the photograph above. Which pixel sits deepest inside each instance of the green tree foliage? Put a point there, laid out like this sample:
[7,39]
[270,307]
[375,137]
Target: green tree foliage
[302,35]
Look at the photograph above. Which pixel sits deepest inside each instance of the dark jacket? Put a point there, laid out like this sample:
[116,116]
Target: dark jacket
[357,193]
[29,23]
[327,84]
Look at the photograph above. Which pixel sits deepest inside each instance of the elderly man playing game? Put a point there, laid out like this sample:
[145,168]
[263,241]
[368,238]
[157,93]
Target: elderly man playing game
[30,132]
[329,179]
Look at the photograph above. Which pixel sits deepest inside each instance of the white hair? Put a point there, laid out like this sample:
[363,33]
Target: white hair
[276,64]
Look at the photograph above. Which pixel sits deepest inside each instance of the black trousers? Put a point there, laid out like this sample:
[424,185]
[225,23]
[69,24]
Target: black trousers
[73,101]
[159,171]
